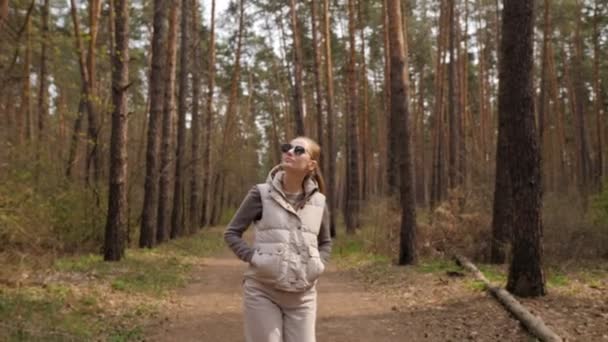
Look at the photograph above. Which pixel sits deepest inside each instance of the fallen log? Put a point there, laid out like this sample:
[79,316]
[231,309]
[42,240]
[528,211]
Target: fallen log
[535,325]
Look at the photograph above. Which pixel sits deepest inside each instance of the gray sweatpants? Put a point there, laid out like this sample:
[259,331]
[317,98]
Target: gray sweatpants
[277,316]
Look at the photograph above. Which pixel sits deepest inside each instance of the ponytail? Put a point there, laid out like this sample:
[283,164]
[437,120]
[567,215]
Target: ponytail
[319,178]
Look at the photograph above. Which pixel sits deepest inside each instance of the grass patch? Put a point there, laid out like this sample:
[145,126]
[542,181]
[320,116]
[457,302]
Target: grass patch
[33,314]
[475,285]
[350,252]
[149,271]
[437,266]
[494,273]
[96,300]
[557,279]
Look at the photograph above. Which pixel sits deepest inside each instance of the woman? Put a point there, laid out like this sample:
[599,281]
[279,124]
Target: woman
[291,247]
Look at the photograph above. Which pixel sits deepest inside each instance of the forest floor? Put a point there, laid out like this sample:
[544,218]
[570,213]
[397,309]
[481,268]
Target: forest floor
[190,290]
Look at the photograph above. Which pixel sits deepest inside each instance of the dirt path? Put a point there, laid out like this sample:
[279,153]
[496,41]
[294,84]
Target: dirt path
[427,308]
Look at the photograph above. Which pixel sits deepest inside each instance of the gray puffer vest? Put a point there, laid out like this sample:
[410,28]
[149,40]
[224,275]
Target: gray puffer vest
[286,254]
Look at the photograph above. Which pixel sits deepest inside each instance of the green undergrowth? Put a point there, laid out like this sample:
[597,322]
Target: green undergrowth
[85,298]
[570,280]
[349,252]
[356,253]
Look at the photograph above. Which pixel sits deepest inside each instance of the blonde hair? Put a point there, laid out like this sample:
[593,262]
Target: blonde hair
[315,154]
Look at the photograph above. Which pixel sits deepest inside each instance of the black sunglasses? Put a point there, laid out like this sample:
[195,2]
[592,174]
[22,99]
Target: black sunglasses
[297,150]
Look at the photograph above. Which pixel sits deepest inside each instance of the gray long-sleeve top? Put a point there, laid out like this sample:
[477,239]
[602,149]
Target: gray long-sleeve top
[251,210]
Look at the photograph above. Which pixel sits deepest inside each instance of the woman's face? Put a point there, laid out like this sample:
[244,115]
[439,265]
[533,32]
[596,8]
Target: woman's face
[296,156]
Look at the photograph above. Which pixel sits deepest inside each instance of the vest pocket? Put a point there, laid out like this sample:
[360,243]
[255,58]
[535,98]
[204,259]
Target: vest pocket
[268,262]
[315,266]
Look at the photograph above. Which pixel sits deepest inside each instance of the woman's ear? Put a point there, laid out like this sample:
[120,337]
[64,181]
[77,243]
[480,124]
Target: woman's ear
[312,165]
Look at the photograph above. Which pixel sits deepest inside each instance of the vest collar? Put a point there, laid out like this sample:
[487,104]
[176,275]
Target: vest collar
[274,179]
[276,175]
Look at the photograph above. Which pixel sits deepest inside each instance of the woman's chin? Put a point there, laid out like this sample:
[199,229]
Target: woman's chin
[288,166]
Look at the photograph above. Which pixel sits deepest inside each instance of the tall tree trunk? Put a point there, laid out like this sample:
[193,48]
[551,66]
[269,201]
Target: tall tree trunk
[438,183]
[579,100]
[453,100]
[75,136]
[351,215]
[463,120]
[85,96]
[114,244]
[483,141]
[393,120]
[365,153]
[163,229]
[234,82]
[331,146]
[221,199]
[230,127]
[298,91]
[231,107]
[543,101]
[3,11]
[177,217]
[560,144]
[93,150]
[317,77]
[194,215]
[399,108]
[599,164]
[208,121]
[418,144]
[389,180]
[502,215]
[516,102]
[147,236]
[25,115]
[215,198]
[43,91]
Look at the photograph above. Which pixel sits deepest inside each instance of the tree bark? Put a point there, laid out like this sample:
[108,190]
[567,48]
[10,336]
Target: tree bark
[298,92]
[393,127]
[365,152]
[317,78]
[331,147]
[502,215]
[3,11]
[599,164]
[560,143]
[543,101]
[150,207]
[93,150]
[389,175]
[195,194]
[351,216]
[483,140]
[438,182]
[579,100]
[463,120]
[453,110]
[25,112]
[114,245]
[177,217]
[399,109]
[43,91]
[75,137]
[208,122]
[163,229]
[86,101]
[516,102]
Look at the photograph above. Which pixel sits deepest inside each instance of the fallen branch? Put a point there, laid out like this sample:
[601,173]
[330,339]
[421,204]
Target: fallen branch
[534,324]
